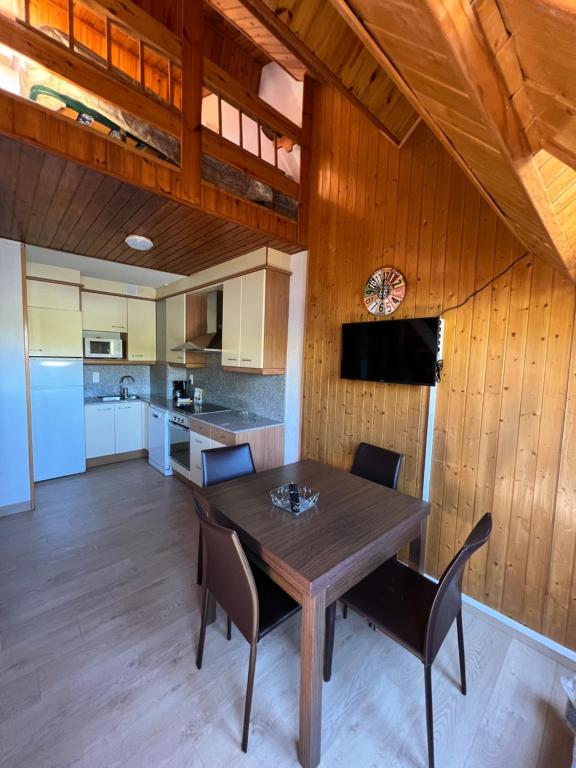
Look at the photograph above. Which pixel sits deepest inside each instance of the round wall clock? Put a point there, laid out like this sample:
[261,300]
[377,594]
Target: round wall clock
[384,291]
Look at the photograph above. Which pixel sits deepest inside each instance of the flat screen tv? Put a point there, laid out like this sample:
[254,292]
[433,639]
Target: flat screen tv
[395,351]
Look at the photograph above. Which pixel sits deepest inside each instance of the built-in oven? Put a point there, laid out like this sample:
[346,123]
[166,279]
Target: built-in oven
[179,431]
[103,345]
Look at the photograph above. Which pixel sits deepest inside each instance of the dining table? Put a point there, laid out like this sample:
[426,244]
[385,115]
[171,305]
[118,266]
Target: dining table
[318,555]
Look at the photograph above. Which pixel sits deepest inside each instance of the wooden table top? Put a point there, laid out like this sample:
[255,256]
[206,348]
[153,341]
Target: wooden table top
[353,516]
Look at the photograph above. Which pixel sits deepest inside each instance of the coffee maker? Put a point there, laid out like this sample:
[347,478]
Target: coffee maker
[179,389]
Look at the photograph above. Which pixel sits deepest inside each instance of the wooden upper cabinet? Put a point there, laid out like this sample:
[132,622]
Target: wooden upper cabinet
[255,322]
[175,328]
[101,312]
[141,330]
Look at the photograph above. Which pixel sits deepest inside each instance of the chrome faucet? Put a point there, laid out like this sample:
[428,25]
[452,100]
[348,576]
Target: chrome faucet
[123,389]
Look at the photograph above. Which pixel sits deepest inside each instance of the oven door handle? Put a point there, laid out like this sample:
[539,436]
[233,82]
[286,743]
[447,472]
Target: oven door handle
[179,426]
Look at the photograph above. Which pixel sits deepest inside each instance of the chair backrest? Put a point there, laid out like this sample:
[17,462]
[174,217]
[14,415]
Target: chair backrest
[221,464]
[228,575]
[448,600]
[377,464]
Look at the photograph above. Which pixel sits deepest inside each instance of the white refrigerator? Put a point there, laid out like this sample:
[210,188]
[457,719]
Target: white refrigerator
[57,401]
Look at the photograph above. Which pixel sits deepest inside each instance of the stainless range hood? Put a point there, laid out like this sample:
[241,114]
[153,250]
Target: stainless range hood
[211,341]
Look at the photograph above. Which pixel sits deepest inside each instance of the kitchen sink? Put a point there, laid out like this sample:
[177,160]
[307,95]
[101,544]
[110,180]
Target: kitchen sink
[116,398]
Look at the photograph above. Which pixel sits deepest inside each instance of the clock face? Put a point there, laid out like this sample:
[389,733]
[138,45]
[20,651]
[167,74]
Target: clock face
[384,291]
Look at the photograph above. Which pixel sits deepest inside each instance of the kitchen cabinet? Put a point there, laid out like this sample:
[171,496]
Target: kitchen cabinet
[141,329]
[231,313]
[255,322]
[99,429]
[199,443]
[101,312]
[113,428]
[52,295]
[54,332]
[175,328]
[128,427]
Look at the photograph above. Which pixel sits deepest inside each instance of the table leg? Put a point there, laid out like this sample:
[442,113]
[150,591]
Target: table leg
[417,548]
[311,662]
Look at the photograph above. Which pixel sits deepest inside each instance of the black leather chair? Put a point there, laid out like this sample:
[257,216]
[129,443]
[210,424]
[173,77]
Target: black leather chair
[252,601]
[381,466]
[415,611]
[219,465]
[377,464]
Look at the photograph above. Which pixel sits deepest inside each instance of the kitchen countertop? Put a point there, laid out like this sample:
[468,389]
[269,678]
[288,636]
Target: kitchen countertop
[230,420]
[237,421]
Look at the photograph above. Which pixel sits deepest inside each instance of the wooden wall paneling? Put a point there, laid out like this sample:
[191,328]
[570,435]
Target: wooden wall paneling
[500,441]
[559,599]
[508,429]
[476,378]
[558,343]
[529,425]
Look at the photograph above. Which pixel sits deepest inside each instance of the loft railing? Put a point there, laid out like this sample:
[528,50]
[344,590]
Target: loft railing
[142,57]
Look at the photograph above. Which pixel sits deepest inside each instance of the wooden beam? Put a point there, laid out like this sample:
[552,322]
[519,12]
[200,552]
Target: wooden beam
[191,140]
[81,72]
[231,154]
[217,79]
[305,157]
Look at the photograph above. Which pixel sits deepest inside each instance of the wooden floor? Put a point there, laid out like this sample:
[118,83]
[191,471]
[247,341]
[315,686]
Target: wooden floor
[98,624]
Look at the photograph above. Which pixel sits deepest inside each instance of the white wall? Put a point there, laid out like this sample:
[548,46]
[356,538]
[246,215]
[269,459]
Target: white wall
[15,491]
[294,363]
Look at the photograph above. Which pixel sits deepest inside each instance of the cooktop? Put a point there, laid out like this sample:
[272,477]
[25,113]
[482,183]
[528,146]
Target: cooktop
[193,408]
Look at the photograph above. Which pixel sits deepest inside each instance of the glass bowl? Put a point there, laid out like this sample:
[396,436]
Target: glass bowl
[281,498]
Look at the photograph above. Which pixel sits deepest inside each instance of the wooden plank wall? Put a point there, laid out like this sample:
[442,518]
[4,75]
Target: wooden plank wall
[505,432]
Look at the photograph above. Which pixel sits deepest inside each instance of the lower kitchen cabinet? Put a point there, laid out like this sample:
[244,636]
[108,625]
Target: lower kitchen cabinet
[113,428]
[128,427]
[199,443]
[99,428]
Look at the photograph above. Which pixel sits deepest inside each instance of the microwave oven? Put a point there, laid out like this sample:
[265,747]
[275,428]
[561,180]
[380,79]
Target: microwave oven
[103,346]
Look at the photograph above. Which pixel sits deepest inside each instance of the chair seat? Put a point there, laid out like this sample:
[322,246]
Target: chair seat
[274,604]
[397,600]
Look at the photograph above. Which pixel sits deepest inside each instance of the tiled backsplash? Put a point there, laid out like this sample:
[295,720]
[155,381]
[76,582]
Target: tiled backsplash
[110,376]
[263,395]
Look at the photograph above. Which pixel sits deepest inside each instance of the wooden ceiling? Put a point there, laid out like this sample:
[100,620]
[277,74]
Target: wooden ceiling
[454,62]
[314,32]
[49,201]
[543,35]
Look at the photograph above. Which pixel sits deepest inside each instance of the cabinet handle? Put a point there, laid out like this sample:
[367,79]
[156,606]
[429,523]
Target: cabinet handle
[246,359]
[118,326]
[197,467]
[198,441]
[154,415]
[104,409]
[132,357]
[36,349]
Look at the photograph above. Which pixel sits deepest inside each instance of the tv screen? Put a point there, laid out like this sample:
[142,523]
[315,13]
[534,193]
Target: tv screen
[395,351]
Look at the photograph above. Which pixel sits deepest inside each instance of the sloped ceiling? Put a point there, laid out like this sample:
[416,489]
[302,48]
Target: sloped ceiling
[313,32]
[458,65]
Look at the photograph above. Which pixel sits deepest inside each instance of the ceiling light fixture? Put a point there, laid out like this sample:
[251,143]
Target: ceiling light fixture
[139,242]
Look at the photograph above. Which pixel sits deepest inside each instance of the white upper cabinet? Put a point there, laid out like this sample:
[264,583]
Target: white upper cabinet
[255,322]
[104,313]
[231,314]
[175,328]
[252,320]
[54,333]
[52,295]
[141,329]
